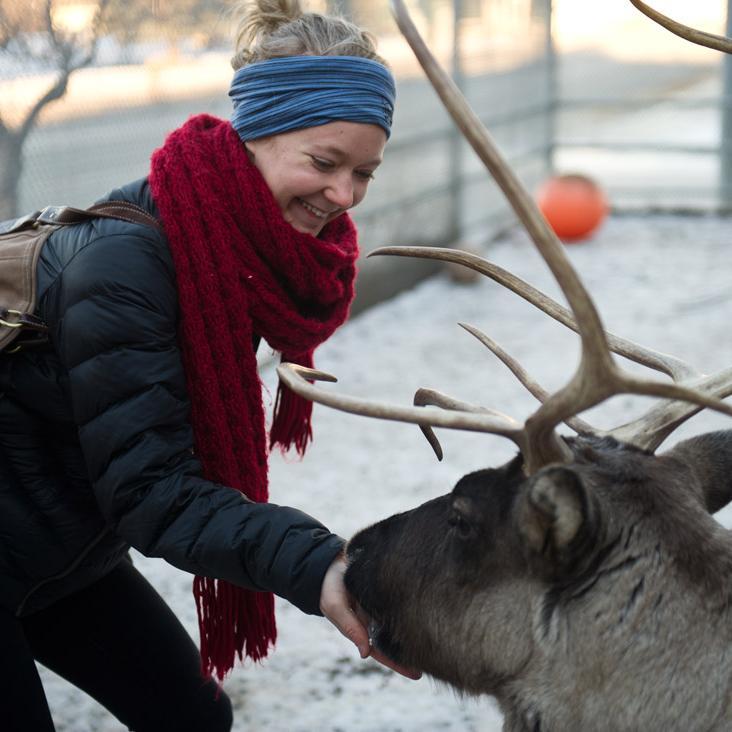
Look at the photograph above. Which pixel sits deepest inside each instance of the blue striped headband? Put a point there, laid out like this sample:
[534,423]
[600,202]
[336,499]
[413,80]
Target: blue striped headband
[294,92]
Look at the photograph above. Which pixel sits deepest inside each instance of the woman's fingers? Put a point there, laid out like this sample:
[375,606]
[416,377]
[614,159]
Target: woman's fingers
[335,604]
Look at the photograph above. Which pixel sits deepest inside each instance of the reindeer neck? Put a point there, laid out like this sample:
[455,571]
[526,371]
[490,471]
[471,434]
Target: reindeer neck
[638,645]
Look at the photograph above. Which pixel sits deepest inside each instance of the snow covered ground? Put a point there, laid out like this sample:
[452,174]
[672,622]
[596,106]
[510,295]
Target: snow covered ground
[665,281]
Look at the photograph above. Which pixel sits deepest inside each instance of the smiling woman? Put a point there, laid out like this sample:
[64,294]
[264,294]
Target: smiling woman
[141,423]
[315,126]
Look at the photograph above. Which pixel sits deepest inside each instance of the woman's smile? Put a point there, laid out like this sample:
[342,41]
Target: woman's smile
[313,209]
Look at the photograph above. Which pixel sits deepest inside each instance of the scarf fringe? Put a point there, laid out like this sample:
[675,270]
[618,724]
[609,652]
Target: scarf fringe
[291,425]
[291,420]
[232,622]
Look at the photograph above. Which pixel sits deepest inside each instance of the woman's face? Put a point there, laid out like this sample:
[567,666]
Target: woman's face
[317,173]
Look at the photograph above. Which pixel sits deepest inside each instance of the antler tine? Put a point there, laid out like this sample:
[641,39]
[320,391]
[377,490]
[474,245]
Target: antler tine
[650,430]
[701,38]
[590,387]
[425,397]
[295,377]
[430,397]
[532,386]
[665,363]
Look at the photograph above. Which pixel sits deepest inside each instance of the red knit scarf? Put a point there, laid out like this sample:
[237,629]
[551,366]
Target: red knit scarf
[241,270]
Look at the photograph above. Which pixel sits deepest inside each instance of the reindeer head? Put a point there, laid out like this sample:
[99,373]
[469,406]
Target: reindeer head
[586,596]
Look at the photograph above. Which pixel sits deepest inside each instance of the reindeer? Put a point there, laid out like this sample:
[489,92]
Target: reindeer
[584,584]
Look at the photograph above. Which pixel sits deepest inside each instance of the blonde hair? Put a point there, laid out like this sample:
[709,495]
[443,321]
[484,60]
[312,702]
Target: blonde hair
[276,28]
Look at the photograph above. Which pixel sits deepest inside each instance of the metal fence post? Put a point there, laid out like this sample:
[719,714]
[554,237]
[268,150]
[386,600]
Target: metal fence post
[725,152]
[550,59]
[456,141]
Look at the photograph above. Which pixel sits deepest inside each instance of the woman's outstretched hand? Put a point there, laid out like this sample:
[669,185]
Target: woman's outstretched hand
[337,605]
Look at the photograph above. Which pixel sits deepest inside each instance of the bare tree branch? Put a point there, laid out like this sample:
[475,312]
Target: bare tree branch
[65,49]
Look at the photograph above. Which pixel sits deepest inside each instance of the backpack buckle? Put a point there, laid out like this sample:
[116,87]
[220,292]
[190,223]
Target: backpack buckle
[50,214]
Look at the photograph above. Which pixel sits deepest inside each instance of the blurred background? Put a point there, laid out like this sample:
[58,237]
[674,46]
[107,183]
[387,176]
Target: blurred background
[89,88]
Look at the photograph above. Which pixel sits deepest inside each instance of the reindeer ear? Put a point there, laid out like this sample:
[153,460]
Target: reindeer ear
[557,519]
[709,459]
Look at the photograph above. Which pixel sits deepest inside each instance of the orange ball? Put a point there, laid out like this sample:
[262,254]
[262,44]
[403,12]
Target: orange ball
[574,205]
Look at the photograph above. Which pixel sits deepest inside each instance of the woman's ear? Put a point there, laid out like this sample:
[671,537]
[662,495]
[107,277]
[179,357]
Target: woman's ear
[558,520]
[709,459]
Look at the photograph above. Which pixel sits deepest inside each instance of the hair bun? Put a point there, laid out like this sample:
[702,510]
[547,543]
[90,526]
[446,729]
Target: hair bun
[258,18]
[276,28]
[268,15]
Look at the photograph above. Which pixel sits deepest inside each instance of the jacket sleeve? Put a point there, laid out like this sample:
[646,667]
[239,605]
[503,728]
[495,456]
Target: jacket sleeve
[113,319]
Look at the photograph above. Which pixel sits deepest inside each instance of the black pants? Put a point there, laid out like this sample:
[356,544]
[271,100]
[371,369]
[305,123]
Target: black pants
[119,642]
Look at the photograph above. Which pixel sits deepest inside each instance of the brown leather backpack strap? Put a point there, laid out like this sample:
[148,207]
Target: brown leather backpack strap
[122,210]
[21,242]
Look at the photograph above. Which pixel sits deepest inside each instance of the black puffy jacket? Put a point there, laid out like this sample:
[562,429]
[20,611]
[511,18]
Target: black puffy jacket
[95,444]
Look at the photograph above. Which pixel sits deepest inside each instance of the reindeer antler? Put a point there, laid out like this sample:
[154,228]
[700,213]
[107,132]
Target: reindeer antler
[597,376]
[669,365]
[459,415]
[648,431]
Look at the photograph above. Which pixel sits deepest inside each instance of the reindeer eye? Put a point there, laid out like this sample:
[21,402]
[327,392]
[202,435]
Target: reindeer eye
[460,525]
